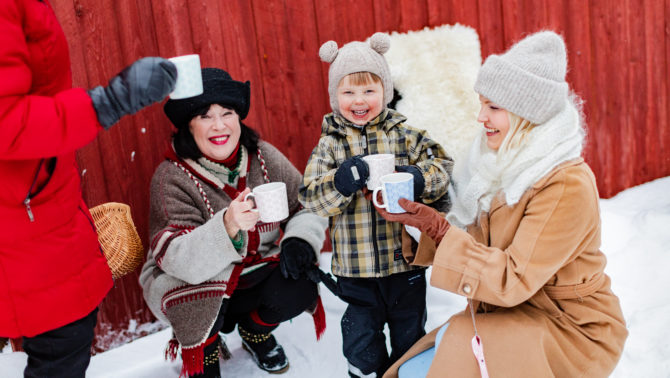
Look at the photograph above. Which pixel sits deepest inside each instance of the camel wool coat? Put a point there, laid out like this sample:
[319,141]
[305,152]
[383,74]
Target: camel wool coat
[533,272]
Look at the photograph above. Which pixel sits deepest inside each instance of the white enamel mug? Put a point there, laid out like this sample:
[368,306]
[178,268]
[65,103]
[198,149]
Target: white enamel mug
[378,166]
[271,201]
[189,77]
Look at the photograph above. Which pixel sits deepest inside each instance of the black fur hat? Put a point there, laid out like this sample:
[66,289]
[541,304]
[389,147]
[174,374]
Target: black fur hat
[218,88]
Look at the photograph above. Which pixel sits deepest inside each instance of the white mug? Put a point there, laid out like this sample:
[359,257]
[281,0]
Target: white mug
[271,201]
[378,166]
[189,77]
[394,187]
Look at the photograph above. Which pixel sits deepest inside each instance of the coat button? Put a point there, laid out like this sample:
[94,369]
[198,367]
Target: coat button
[467,289]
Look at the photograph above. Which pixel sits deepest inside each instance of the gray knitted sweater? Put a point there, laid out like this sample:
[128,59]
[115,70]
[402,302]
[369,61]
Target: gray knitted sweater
[192,264]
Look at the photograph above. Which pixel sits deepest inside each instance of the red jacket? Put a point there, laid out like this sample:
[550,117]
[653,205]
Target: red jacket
[52,270]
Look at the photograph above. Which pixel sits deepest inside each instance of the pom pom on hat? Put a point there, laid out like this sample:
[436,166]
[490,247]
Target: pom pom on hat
[328,51]
[380,42]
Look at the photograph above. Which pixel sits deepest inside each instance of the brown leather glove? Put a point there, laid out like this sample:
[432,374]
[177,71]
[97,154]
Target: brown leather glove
[367,193]
[423,217]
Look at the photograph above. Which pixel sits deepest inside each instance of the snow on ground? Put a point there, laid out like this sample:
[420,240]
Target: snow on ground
[636,240]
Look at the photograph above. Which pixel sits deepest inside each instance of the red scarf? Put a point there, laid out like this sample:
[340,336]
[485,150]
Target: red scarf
[231,161]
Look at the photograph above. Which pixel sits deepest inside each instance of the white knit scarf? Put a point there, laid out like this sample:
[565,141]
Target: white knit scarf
[484,173]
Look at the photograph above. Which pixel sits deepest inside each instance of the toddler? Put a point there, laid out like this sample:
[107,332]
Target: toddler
[379,286]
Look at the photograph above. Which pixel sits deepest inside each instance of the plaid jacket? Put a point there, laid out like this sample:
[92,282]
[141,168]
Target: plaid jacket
[364,243]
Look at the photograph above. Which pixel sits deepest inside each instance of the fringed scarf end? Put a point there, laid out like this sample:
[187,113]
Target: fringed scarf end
[319,317]
[172,349]
[192,361]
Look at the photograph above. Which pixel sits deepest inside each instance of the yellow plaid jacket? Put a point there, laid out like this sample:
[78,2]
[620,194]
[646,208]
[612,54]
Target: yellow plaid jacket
[364,243]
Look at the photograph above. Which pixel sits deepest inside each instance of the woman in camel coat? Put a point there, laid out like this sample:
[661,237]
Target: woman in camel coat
[522,239]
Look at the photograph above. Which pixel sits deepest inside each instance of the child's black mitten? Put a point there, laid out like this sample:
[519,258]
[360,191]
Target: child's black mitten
[351,176]
[419,183]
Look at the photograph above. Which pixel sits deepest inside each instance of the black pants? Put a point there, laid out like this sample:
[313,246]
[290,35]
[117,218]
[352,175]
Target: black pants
[398,300]
[62,352]
[275,299]
[272,297]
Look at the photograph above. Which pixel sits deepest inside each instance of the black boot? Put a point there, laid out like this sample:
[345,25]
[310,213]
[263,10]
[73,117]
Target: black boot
[211,367]
[265,350]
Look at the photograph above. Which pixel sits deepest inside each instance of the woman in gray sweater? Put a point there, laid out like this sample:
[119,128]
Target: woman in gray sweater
[212,264]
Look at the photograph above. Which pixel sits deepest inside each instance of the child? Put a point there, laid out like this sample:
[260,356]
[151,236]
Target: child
[379,286]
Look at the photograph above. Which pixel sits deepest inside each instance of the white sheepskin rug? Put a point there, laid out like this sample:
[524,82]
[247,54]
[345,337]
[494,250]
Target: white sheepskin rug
[435,70]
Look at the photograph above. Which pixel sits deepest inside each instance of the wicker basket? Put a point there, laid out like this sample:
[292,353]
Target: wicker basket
[118,237]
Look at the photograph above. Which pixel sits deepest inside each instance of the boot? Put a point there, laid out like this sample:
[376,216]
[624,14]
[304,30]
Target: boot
[265,350]
[211,367]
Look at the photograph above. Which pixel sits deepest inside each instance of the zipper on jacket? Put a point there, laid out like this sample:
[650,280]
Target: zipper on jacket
[26,202]
[30,195]
[373,213]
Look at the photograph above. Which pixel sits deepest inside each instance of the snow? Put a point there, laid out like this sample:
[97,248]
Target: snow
[635,240]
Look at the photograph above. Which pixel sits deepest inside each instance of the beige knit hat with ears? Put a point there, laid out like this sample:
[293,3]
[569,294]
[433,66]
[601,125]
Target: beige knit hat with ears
[529,79]
[357,57]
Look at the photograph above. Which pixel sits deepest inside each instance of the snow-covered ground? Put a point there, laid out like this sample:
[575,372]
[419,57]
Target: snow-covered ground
[636,240]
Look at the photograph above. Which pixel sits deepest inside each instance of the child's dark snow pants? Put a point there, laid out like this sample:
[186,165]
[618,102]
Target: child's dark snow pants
[398,300]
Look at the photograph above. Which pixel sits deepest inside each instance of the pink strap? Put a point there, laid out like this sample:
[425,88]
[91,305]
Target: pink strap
[478,350]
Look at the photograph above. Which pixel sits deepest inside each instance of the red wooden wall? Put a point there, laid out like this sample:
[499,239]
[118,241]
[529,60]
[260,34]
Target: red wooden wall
[619,57]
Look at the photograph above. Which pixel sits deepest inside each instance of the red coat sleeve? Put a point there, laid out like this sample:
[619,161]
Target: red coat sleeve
[31,125]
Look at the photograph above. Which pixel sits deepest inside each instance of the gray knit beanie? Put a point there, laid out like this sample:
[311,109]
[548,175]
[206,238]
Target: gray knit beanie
[529,79]
[357,57]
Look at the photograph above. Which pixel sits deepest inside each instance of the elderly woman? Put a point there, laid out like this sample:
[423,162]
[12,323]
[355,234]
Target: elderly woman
[212,264]
[522,239]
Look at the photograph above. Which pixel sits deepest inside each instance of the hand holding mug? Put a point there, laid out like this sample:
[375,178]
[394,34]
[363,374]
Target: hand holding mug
[141,84]
[393,187]
[418,215]
[240,215]
[351,176]
[270,200]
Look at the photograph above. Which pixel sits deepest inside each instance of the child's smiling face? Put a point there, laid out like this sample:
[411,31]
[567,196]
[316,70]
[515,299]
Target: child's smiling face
[360,103]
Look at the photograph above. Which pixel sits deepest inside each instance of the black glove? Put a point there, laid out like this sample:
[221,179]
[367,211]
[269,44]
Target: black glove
[142,83]
[296,257]
[419,183]
[351,176]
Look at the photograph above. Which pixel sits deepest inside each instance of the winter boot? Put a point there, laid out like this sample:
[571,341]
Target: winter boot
[211,367]
[265,350]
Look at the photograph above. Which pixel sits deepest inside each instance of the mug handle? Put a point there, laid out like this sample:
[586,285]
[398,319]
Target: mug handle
[255,208]
[374,198]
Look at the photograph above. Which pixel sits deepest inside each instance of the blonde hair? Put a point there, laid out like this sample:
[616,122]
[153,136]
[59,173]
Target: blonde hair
[516,137]
[362,78]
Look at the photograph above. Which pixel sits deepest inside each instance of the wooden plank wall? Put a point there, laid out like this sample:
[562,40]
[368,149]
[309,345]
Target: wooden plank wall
[618,56]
